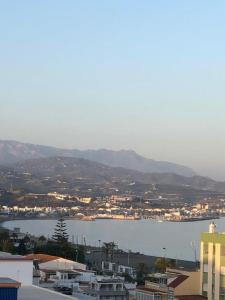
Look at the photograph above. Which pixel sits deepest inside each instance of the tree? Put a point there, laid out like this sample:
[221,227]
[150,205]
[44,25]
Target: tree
[14,237]
[171,263]
[7,246]
[21,249]
[109,249]
[142,271]
[42,239]
[162,263]
[26,239]
[80,254]
[65,250]
[4,235]
[60,233]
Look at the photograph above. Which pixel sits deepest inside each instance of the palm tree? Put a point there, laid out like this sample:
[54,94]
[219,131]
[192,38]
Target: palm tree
[162,263]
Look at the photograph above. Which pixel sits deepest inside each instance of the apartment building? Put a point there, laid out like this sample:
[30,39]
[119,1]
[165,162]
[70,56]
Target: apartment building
[212,264]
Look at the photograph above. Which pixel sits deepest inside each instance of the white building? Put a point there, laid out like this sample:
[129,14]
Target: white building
[111,288]
[16,267]
[62,264]
[50,262]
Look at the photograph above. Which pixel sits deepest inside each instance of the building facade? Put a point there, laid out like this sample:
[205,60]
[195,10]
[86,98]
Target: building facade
[110,288]
[212,264]
[16,267]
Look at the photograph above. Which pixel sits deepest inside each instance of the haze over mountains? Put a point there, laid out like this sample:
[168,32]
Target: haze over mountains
[13,151]
[69,169]
[44,169]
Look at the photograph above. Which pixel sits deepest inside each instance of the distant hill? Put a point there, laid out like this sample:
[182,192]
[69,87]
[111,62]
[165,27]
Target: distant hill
[12,152]
[69,170]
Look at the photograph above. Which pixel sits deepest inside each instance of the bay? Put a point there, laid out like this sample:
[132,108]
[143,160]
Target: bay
[149,237]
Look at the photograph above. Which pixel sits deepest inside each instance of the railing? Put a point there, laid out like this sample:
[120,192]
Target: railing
[106,293]
[159,286]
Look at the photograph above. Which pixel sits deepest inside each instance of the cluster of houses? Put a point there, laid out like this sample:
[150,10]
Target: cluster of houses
[41,276]
[25,277]
[117,205]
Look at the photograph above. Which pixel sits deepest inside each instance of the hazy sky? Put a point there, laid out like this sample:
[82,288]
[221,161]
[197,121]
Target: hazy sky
[122,74]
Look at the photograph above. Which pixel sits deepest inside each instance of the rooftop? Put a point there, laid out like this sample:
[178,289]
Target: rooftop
[8,282]
[37,293]
[42,258]
[177,281]
[150,290]
[9,256]
[108,279]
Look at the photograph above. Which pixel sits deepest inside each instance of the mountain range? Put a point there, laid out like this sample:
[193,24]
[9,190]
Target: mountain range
[84,177]
[13,151]
[37,169]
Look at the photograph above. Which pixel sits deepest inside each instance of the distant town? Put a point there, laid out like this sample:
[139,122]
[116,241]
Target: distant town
[164,207]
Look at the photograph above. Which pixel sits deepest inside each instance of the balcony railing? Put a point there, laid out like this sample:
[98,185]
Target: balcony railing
[106,292]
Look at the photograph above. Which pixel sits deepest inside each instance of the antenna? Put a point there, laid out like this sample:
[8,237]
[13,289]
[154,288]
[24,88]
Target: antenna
[193,246]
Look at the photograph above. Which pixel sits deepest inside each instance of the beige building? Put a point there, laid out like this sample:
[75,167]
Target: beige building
[175,284]
[212,264]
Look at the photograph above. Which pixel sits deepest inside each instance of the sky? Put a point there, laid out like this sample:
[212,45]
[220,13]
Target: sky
[123,74]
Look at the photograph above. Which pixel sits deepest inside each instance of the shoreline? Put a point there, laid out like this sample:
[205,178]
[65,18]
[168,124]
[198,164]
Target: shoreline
[121,254]
[93,218]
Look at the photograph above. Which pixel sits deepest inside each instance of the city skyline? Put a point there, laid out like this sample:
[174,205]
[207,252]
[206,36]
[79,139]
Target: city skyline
[145,76]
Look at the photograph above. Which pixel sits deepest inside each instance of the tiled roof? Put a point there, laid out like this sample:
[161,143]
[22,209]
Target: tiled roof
[177,281]
[15,258]
[37,293]
[42,258]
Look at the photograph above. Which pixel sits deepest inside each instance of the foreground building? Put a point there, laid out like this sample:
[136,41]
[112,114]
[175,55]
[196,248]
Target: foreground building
[102,287]
[212,264]
[8,288]
[16,267]
[51,262]
[175,284]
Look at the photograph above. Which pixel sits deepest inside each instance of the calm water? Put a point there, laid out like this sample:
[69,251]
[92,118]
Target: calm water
[145,236]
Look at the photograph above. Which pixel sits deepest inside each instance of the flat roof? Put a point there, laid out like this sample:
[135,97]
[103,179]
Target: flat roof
[36,293]
[216,238]
[10,256]
[8,282]
[142,288]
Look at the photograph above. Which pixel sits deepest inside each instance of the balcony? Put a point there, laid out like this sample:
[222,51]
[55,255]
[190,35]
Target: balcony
[222,291]
[105,292]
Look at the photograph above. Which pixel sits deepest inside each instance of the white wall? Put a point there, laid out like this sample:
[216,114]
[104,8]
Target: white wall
[86,277]
[19,270]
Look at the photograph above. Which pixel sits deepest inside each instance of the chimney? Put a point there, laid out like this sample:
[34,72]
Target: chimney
[212,227]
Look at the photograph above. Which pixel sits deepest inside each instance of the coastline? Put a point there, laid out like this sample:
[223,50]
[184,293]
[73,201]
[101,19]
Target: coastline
[114,218]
